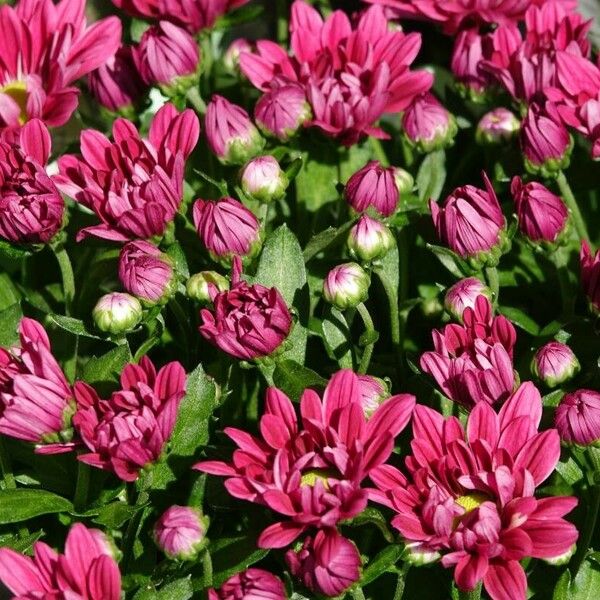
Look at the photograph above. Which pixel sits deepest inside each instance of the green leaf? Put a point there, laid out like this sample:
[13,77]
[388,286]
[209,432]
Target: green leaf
[175,251]
[293,378]
[200,401]
[107,367]
[240,16]
[9,324]
[336,337]
[519,318]
[324,239]
[585,586]
[373,516]
[137,29]
[456,265]
[281,265]
[232,555]
[383,562]
[389,266]
[570,471]
[74,326]
[180,589]
[115,514]
[9,294]
[431,176]
[22,544]
[13,252]
[22,504]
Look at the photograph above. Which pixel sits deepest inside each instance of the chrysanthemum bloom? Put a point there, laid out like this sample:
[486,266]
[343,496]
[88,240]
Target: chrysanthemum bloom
[85,570]
[117,313]
[134,185]
[181,532]
[554,363]
[428,125]
[327,564]
[193,15]
[472,363]
[463,294]
[373,186]
[545,141]
[146,272]
[32,208]
[168,55]
[248,321]
[370,239]
[45,48]
[310,471]
[498,125]
[230,133]
[542,214]
[348,87]
[577,418]
[129,431]
[117,85]
[590,275]
[346,286]
[282,111]
[263,179]
[251,583]
[469,495]
[36,401]
[470,222]
[227,228]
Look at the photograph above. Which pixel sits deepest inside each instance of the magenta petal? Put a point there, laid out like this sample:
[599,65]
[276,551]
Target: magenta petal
[506,581]
[279,535]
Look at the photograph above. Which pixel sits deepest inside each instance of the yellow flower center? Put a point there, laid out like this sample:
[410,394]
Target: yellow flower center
[311,477]
[17,90]
[471,501]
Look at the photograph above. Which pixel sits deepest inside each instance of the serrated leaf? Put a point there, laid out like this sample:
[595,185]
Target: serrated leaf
[74,326]
[21,544]
[9,294]
[115,514]
[22,504]
[9,324]
[336,337]
[585,586]
[14,252]
[382,563]
[107,367]
[175,251]
[324,239]
[570,471]
[293,378]
[431,176]
[180,589]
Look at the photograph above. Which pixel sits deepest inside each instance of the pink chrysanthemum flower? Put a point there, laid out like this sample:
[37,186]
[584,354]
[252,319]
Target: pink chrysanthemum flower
[469,495]
[311,472]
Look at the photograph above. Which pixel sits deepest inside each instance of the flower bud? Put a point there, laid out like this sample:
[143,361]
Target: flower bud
[198,286]
[250,584]
[146,272]
[263,179]
[181,532]
[373,391]
[577,418]
[555,363]
[373,186]
[463,295]
[227,228]
[282,111]
[404,181]
[231,136]
[428,125]
[590,276]
[415,554]
[117,313]
[545,141]
[470,222]
[369,239]
[231,58]
[346,286]
[497,126]
[117,85]
[168,56]
[466,58]
[542,215]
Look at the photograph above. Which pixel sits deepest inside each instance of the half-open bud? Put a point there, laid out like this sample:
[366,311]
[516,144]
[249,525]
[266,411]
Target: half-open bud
[346,286]
[263,179]
[117,313]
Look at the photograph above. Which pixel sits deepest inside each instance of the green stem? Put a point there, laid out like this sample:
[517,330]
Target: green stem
[587,533]
[371,333]
[491,274]
[571,202]
[6,467]
[68,279]
[194,98]
[81,487]
[401,583]
[392,297]
[207,569]
[378,151]
[358,594]
[282,10]
[472,595]
[560,258]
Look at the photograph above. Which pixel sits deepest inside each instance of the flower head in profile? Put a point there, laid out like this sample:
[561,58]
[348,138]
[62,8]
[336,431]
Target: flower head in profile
[251,583]
[373,186]
[180,532]
[31,206]
[248,321]
[469,494]
[45,48]
[590,275]
[133,184]
[85,570]
[577,418]
[310,470]
[351,74]
[36,400]
[129,431]
[472,362]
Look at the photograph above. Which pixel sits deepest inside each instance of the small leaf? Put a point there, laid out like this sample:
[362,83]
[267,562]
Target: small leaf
[9,324]
[232,555]
[336,337]
[373,516]
[107,367]
[431,176]
[570,471]
[456,265]
[382,563]
[585,586]
[180,589]
[293,378]
[175,251]
[13,252]
[324,239]
[22,504]
[74,326]
[519,318]
[115,514]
